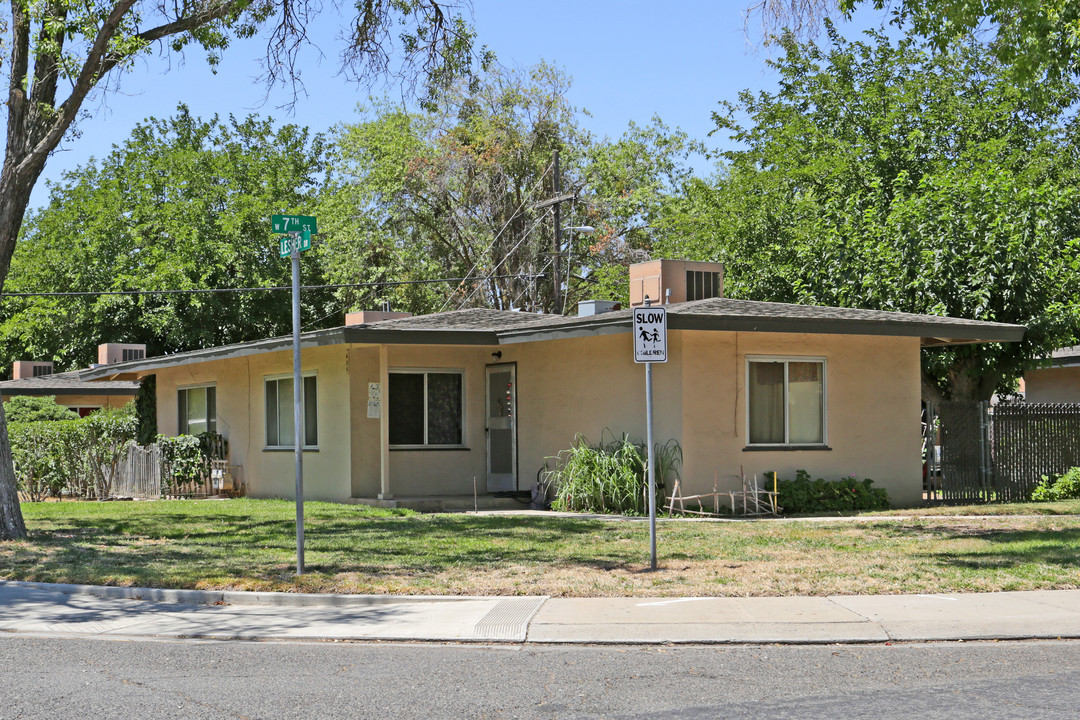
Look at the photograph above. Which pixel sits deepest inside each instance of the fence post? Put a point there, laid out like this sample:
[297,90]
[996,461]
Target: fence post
[986,471]
[930,442]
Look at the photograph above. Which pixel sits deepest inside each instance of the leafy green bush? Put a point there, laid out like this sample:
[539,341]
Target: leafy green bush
[46,457]
[78,457]
[803,495]
[24,409]
[108,433]
[610,477]
[1061,487]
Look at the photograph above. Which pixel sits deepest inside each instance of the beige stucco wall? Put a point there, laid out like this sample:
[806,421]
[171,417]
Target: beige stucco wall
[577,385]
[240,398]
[872,411]
[1053,385]
[420,472]
[589,384]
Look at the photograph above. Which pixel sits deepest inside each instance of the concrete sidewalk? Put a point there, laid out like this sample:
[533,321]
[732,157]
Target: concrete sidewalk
[35,608]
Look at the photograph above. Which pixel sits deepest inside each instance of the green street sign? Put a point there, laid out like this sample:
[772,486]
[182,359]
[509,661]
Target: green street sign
[304,238]
[294,223]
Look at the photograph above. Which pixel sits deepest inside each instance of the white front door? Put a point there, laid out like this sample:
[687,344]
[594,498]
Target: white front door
[502,428]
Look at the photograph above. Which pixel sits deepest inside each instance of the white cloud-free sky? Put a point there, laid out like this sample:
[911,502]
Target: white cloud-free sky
[629,59]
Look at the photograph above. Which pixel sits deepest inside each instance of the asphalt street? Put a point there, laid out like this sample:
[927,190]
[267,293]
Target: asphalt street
[77,677]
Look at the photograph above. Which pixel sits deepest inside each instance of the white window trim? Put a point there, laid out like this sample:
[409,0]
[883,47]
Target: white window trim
[787,415]
[196,386]
[303,416]
[424,371]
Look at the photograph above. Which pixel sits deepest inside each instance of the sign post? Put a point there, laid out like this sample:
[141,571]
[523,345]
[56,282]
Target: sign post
[299,229]
[650,346]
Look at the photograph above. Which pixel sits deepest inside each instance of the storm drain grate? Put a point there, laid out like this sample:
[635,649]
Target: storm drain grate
[509,619]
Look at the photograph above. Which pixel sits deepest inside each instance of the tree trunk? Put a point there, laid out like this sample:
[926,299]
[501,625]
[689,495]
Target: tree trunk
[15,186]
[12,526]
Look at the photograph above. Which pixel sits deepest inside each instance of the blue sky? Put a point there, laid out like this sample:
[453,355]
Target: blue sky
[629,59]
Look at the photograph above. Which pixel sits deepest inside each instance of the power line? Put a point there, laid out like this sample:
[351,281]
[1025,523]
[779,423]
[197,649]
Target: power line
[200,291]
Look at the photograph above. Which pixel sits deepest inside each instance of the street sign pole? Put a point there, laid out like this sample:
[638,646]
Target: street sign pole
[298,230]
[652,460]
[650,346]
[298,427]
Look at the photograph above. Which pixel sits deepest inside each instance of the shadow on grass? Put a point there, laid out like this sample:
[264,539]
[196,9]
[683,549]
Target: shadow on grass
[182,549]
[1004,548]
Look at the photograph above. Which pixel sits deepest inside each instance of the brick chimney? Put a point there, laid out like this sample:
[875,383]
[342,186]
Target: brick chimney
[109,353]
[21,369]
[362,317]
[665,281]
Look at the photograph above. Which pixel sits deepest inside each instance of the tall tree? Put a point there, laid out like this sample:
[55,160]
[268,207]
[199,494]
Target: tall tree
[459,190]
[1037,39]
[59,52]
[886,176]
[181,205]
[451,191]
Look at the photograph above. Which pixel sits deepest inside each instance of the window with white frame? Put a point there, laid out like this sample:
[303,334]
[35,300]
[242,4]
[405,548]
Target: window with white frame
[280,423]
[785,401]
[196,409]
[426,408]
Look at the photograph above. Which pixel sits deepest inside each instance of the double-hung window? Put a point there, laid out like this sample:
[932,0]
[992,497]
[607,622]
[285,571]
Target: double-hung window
[196,409]
[785,401]
[426,408]
[280,425]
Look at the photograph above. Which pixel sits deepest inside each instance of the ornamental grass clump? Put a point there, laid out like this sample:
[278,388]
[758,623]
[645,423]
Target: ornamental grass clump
[610,477]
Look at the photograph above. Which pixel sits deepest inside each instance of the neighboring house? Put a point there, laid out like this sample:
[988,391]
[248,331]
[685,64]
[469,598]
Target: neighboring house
[1058,383]
[415,410]
[72,389]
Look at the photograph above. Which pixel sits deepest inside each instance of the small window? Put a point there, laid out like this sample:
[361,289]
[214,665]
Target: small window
[785,401]
[197,410]
[426,408]
[280,412]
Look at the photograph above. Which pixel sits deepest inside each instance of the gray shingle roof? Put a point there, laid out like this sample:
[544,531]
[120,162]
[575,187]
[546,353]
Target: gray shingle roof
[1066,356]
[73,382]
[482,326]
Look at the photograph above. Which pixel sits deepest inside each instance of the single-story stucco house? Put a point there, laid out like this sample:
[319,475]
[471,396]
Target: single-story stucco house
[1057,383]
[414,410]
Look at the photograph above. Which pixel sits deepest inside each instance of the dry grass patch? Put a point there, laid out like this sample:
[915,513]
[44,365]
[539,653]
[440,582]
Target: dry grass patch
[249,545]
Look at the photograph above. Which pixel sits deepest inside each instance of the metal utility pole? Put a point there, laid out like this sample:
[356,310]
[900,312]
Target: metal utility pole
[557,294]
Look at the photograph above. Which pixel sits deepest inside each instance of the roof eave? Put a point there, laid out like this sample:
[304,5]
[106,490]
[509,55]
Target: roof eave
[63,392]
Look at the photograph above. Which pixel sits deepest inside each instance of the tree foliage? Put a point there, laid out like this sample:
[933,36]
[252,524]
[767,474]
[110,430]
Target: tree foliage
[1038,39]
[885,176]
[458,190]
[184,204]
[28,408]
[58,52]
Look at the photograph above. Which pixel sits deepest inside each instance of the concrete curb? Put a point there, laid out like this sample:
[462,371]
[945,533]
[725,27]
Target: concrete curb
[238,597]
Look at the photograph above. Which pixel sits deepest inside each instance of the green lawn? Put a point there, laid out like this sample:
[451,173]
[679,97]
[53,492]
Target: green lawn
[249,544]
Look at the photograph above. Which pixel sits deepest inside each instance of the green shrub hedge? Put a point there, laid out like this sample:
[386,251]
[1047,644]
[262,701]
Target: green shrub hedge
[849,494]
